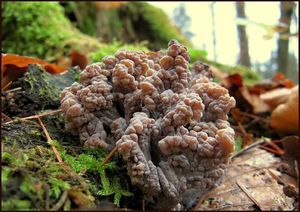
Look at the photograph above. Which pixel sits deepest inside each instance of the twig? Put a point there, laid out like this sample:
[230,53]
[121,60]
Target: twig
[60,202]
[242,129]
[49,139]
[271,150]
[107,158]
[275,146]
[6,117]
[252,122]
[245,190]
[13,90]
[143,205]
[6,86]
[254,116]
[275,177]
[247,148]
[37,116]
[297,172]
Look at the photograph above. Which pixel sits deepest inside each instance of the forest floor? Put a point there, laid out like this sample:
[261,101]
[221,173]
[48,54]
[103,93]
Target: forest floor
[44,167]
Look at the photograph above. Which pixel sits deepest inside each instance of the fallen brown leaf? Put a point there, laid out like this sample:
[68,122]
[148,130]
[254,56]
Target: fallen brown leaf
[275,97]
[284,117]
[245,100]
[251,182]
[14,66]
[79,59]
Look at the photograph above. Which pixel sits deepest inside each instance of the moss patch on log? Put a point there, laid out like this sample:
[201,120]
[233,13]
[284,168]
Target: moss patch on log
[40,29]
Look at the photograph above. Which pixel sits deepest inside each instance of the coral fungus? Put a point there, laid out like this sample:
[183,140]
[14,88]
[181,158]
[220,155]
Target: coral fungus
[168,123]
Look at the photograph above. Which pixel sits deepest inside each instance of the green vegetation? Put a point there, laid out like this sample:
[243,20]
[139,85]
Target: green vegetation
[41,30]
[249,75]
[33,179]
[238,145]
[151,23]
[112,48]
[30,172]
[82,15]
[90,161]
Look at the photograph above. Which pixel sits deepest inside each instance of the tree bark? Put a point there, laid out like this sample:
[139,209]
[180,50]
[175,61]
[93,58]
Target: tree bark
[244,58]
[212,9]
[286,11]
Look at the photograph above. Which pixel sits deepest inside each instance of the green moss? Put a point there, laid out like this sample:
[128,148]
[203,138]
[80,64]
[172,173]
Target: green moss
[196,54]
[152,24]
[22,135]
[40,29]
[40,90]
[238,145]
[15,204]
[90,162]
[37,85]
[83,16]
[112,48]
[26,177]
[57,186]
[249,75]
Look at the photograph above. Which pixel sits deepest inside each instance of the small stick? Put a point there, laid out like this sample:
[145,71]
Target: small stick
[37,116]
[247,148]
[143,205]
[253,116]
[245,190]
[271,150]
[60,202]
[6,117]
[275,177]
[297,172]
[280,151]
[49,139]
[242,128]
[109,156]
[6,86]
[13,90]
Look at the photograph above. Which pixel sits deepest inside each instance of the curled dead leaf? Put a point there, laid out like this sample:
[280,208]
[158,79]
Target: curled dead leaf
[284,117]
[14,66]
[275,97]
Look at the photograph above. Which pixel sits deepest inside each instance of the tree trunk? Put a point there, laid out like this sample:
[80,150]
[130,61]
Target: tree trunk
[212,9]
[244,58]
[286,11]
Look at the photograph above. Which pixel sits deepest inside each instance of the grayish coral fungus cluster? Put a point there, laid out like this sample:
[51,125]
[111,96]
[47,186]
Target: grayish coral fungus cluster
[169,123]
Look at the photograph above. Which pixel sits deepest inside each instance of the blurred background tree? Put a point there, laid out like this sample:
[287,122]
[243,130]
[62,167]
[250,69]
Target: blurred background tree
[182,20]
[108,26]
[244,57]
[213,23]
[286,12]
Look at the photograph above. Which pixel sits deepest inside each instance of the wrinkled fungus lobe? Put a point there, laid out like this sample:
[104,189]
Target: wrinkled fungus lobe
[169,123]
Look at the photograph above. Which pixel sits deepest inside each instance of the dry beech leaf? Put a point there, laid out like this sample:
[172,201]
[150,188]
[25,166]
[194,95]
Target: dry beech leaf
[13,66]
[280,79]
[245,100]
[78,59]
[284,117]
[275,97]
[249,184]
